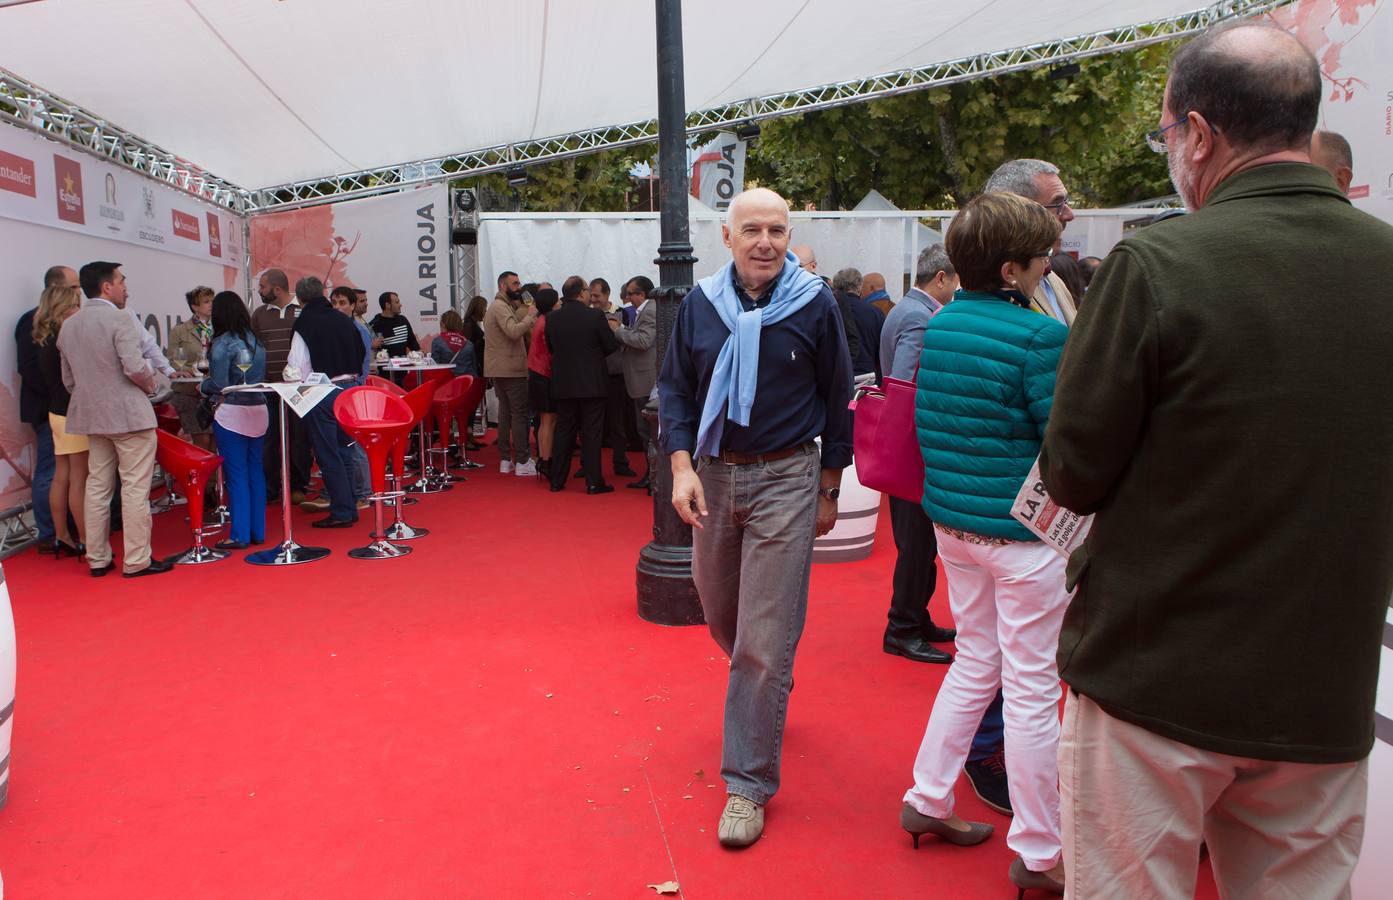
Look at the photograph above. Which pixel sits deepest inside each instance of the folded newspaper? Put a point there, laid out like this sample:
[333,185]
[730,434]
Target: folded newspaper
[1059,528]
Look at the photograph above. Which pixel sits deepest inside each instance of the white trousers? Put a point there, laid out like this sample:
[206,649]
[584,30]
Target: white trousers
[1007,602]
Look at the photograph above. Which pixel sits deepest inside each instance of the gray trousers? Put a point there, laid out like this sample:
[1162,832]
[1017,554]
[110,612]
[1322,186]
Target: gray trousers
[751,562]
[514,427]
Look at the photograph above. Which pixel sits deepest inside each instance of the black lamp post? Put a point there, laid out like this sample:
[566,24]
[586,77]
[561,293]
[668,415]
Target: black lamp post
[666,593]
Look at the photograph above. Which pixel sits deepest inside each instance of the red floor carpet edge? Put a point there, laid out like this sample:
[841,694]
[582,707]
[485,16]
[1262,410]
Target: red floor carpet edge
[485,718]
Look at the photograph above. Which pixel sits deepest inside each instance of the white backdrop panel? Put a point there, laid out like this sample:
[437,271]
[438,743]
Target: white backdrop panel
[158,281]
[541,248]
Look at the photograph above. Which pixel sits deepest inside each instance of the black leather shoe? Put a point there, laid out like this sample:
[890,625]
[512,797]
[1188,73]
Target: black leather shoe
[156,567]
[988,778]
[625,471]
[230,544]
[915,648]
[642,484]
[555,488]
[331,522]
[935,635]
[580,473]
[599,489]
[98,573]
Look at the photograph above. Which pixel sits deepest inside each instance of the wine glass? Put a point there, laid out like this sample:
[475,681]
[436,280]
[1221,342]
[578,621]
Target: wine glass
[180,358]
[244,360]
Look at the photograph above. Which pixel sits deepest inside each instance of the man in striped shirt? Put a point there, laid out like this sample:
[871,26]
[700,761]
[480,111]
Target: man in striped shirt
[393,327]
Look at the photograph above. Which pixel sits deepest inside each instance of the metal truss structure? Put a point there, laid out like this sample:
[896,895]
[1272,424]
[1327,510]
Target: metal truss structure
[34,108]
[30,106]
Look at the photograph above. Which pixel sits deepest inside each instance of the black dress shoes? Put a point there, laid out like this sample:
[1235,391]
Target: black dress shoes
[156,567]
[642,484]
[331,522]
[915,648]
[625,471]
[599,489]
[935,635]
[99,572]
[555,488]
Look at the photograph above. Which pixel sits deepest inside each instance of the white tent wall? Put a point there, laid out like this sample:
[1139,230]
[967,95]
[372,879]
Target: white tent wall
[618,246]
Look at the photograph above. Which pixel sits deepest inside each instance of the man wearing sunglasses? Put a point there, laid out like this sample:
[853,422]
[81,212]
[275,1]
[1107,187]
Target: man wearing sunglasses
[1035,179]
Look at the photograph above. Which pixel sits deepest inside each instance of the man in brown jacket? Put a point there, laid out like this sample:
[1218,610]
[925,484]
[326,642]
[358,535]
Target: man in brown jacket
[507,326]
[110,383]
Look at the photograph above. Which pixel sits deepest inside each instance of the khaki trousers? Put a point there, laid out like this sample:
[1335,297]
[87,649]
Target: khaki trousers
[132,455]
[1136,805]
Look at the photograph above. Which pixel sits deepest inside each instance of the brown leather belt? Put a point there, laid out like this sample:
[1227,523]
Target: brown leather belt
[731,458]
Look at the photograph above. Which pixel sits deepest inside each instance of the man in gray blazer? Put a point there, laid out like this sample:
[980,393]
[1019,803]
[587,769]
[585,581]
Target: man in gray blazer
[105,371]
[639,357]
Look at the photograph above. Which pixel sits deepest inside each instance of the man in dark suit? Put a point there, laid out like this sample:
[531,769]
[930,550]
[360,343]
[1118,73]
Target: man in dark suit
[580,339]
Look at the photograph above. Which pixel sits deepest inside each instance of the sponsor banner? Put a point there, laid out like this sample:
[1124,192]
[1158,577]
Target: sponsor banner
[719,171]
[46,183]
[1350,40]
[397,242]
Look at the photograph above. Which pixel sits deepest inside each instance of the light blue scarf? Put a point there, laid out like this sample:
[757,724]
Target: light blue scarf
[732,388]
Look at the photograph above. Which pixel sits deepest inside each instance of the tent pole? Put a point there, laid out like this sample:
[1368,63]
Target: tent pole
[666,592]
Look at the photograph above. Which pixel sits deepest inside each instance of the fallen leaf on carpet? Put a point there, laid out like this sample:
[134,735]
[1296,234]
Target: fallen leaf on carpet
[667,887]
[699,774]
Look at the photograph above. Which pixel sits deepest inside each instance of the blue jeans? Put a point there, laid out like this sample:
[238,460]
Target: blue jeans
[44,466]
[362,473]
[990,738]
[335,456]
[245,480]
[751,562]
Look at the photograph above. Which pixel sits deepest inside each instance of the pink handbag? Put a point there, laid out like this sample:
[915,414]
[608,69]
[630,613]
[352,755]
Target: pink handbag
[884,442]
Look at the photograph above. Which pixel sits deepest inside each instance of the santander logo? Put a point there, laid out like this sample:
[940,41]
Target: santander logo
[16,174]
[67,173]
[186,226]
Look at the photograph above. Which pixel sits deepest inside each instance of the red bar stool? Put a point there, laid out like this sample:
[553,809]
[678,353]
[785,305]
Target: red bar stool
[472,398]
[419,401]
[386,384]
[190,467]
[448,401]
[167,421]
[429,481]
[376,420]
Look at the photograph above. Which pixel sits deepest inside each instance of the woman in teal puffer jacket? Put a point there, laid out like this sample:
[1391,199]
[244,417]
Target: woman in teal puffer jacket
[986,381]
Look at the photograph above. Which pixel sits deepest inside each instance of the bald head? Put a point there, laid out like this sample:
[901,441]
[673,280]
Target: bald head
[757,232]
[874,281]
[1254,84]
[807,259]
[1332,152]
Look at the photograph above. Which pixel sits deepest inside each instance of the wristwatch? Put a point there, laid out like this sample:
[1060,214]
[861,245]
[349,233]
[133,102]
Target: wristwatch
[829,493]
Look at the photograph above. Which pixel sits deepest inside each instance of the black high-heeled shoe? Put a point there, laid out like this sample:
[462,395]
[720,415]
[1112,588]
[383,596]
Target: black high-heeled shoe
[918,824]
[62,548]
[1026,880]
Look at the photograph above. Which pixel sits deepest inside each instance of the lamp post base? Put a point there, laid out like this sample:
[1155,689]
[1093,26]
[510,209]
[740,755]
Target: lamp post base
[666,594]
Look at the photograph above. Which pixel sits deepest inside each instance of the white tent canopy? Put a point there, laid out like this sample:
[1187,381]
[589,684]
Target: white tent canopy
[263,93]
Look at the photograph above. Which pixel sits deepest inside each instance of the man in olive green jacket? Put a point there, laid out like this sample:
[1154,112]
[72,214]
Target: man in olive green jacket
[1233,437]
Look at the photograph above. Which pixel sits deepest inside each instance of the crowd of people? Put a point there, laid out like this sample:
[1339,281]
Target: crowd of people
[1218,631]
[1178,391]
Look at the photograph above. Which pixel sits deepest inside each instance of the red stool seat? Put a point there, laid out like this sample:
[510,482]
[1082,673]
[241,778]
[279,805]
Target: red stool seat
[167,418]
[376,419]
[190,467]
[386,384]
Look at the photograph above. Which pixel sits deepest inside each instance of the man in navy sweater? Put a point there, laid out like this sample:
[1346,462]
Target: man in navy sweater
[757,368]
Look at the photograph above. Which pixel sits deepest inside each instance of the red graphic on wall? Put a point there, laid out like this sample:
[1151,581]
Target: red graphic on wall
[1312,23]
[68,175]
[186,226]
[16,174]
[301,242]
[214,235]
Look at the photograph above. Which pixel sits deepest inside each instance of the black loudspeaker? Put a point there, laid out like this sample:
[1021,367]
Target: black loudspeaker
[464,234]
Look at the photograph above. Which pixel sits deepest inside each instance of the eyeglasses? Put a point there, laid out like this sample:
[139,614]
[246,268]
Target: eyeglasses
[1057,207]
[1156,140]
[1047,254]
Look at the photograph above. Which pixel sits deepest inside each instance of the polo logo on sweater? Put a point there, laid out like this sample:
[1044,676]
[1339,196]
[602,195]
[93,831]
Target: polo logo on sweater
[793,355]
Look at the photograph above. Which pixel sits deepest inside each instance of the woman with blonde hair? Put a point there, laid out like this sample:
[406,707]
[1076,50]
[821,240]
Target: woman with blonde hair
[70,450]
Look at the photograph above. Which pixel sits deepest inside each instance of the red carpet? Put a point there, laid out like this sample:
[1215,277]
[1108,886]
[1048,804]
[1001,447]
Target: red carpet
[485,718]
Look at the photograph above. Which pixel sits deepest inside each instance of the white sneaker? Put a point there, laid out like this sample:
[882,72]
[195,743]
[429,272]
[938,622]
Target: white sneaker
[526,470]
[505,467]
